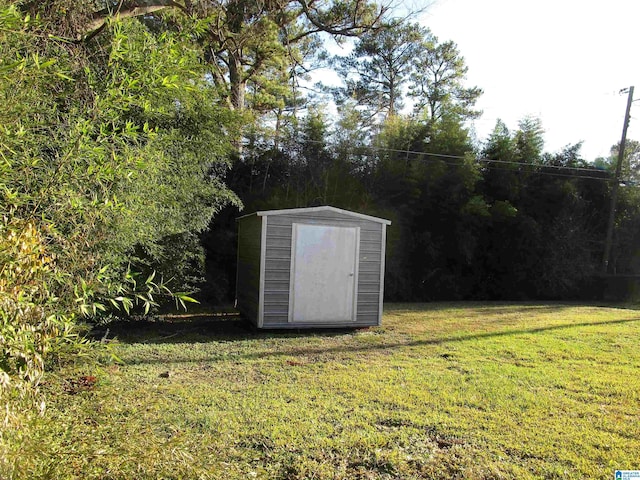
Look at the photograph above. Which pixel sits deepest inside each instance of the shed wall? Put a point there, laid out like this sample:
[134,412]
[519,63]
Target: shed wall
[248,274]
[278,263]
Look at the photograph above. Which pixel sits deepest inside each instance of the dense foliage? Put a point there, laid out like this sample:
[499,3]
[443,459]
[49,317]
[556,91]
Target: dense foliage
[105,148]
[503,221]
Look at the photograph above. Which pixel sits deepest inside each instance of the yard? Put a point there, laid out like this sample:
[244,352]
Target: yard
[439,391]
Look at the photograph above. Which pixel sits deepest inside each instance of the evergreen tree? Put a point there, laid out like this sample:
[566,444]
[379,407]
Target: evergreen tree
[377,72]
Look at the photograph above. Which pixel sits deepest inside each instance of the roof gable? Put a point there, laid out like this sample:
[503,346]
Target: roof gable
[325,208]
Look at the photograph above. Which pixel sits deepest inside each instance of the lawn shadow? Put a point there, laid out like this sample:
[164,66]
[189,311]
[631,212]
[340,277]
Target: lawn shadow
[484,308]
[213,324]
[237,329]
[198,328]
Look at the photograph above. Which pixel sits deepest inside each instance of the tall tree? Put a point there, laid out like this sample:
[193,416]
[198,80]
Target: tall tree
[437,86]
[500,181]
[246,43]
[529,140]
[379,67]
[404,60]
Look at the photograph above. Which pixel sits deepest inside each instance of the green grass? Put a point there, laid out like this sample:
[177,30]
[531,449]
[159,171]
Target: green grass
[439,391]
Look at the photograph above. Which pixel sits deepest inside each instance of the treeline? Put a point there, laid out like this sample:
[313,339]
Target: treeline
[497,220]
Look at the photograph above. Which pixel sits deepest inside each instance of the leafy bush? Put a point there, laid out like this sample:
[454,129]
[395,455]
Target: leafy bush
[105,147]
[33,331]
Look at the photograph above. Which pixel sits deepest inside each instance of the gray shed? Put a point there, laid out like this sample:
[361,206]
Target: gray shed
[311,267]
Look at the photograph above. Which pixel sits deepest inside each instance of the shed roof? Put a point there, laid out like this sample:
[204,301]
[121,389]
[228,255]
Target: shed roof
[326,208]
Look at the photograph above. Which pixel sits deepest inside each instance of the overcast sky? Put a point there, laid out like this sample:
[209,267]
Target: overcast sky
[563,61]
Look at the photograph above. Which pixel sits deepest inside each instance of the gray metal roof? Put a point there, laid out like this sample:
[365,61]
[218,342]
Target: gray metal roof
[326,208]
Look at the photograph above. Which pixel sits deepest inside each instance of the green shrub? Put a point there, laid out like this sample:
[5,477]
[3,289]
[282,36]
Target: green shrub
[105,147]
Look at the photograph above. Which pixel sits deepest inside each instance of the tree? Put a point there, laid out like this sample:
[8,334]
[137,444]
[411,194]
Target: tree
[248,45]
[406,59]
[438,83]
[547,220]
[570,213]
[500,181]
[352,143]
[246,42]
[105,149]
[529,140]
[625,229]
[379,67]
[630,163]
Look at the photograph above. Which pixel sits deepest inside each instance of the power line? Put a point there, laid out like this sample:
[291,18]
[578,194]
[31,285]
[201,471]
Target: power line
[463,157]
[537,166]
[552,174]
[540,165]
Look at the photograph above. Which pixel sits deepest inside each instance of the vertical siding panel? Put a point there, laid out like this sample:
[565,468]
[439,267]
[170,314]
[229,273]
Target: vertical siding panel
[278,256]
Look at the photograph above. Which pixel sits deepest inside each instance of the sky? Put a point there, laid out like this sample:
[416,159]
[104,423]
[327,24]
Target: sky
[562,61]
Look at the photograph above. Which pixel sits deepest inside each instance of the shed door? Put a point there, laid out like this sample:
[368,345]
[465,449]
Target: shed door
[324,273]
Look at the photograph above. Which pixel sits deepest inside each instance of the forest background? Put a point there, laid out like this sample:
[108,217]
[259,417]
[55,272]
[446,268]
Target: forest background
[133,133]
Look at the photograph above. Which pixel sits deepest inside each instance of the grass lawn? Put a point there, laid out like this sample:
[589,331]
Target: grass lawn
[439,391]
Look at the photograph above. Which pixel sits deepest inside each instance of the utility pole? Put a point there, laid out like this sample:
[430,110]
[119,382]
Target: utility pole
[616,185]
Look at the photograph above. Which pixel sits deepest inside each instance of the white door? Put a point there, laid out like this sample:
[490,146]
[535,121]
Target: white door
[324,273]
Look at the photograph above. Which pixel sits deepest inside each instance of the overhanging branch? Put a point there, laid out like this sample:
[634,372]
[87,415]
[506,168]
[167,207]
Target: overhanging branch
[125,9]
[347,29]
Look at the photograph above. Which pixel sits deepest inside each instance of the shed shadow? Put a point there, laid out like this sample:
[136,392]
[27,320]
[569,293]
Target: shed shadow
[200,328]
[226,324]
[351,347]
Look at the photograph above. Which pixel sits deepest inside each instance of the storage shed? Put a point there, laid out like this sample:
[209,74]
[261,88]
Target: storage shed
[311,267]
